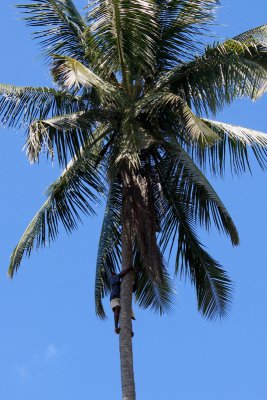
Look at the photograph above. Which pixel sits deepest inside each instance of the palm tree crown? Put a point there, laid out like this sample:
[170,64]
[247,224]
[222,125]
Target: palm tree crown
[136,87]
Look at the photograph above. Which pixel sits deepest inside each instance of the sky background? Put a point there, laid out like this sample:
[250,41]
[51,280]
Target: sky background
[52,345]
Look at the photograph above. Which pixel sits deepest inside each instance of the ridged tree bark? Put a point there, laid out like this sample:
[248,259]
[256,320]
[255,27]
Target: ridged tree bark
[126,351]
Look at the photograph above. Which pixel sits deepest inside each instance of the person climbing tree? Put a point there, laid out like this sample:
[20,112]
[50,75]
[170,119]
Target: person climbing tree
[115,284]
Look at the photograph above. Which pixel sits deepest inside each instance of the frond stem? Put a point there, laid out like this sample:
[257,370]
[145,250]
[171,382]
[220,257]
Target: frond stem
[117,20]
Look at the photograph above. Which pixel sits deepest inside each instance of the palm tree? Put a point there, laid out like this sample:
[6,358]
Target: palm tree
[135,90]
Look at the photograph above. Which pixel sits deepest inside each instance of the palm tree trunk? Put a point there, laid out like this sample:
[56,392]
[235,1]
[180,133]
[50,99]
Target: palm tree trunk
[126,352]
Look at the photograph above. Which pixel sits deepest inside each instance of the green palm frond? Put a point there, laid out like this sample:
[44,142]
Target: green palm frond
[75,191]
[70,73]
[131,139]
[61,27]
[125,32]
[225,72]
[256,40]
[233,148]
[192,188]
[244,135]
[257,35]
[66,134]
[186,124]
[157,297]
[192,128]
[109,249]
[20,105]
[182,23]
[213,287]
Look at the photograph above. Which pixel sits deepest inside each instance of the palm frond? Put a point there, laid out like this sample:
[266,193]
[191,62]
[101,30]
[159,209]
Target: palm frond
[70,73]
[75,191]
[233,147]
[191,186]
[20,105]
[159,297]
[213,287]
[66,134]
[192,128]
[225,72]
[109,249]
[182,24]
[125,32]
[257,35]
[61,27]
[256,40]
[131,140]
[181,119]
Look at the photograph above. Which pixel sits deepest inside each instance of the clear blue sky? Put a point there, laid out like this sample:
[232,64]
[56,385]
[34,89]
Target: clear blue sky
[52,345]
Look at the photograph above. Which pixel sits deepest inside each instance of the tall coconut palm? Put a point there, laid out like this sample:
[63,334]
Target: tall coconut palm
[129,123]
